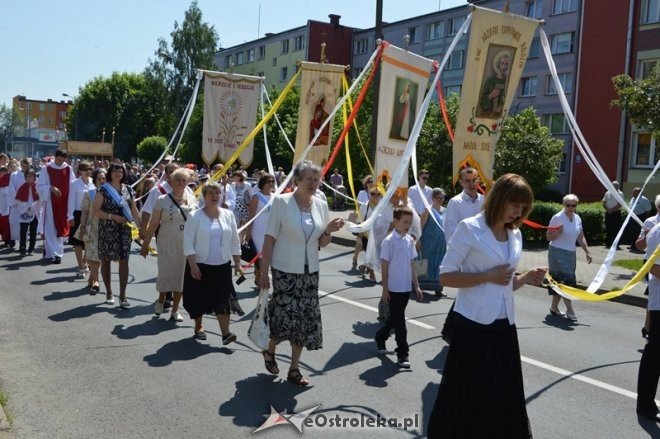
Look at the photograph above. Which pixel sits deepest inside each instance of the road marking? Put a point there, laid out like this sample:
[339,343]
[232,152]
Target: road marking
[371,308]
[540,364]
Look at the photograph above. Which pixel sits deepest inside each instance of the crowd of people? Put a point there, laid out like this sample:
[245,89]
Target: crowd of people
[473,244]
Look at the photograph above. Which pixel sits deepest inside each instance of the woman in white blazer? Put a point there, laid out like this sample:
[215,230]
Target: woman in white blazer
[482,377]
[210,241]
[299,224]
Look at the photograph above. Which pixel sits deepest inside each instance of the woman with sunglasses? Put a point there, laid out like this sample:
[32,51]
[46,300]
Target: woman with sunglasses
[565,229]
[114,206]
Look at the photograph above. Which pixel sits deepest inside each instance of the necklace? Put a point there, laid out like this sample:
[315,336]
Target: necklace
[306,207]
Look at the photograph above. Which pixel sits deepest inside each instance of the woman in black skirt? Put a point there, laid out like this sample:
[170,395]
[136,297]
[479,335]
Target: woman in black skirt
[481,393]
[210,241]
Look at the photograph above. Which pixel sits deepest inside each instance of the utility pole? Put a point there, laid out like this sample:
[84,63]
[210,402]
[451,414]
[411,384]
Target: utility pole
[378,35]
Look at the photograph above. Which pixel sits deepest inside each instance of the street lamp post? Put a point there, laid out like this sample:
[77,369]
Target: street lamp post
[75,118]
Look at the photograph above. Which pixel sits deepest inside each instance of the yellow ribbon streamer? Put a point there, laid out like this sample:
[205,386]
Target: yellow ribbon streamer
[357,131]
[244,144]
[579,294]
[135,235]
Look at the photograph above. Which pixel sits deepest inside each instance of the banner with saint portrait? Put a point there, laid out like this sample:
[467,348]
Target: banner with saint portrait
[403,80]
[496,55]
[230,114]
[320,85]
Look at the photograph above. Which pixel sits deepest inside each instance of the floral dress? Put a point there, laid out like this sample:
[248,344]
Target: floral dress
[114,242]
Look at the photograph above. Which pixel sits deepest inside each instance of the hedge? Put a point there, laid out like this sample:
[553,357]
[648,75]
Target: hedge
[592,215]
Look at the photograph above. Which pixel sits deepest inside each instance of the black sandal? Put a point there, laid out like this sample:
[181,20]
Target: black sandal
[297,378]
[271,365]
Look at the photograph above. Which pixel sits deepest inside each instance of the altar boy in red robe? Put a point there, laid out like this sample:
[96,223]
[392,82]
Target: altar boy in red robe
[53,188]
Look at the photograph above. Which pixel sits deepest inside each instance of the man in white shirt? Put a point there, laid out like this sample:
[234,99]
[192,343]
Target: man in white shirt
[642,210]
[613,219]
[416,192]
[649,366]
[464,205]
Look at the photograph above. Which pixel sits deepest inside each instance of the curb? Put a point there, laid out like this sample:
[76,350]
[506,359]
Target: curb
[626,299]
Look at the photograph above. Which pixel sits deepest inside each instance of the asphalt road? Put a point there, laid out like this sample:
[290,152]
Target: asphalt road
[76,368]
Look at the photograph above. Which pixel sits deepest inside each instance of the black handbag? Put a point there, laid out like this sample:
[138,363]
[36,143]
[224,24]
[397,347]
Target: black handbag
[248,251]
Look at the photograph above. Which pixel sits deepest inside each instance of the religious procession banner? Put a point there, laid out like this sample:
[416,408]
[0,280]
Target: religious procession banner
[320,85]
[496,56]
[230,114]
[403,79]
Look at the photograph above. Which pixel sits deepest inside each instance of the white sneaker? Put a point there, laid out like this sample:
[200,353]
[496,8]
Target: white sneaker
[158,308]
[404,363]
[176,317]
[110,301]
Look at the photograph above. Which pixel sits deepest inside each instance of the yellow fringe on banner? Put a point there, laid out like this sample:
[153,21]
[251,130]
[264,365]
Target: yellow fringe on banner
[590,297]
[244,144]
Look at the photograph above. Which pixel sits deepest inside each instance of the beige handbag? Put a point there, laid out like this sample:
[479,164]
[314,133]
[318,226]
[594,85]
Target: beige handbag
[421,267]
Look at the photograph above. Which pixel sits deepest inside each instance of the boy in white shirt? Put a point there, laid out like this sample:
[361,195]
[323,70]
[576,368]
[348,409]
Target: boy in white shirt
[398,251]
[27,200]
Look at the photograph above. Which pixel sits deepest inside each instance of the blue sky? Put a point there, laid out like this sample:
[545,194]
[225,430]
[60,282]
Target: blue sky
[53,47]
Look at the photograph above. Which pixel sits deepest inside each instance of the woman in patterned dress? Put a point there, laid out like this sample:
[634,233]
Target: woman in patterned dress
[298,225]
[114,207]
[89,232]
[432,245]
[243,193]
[169,216]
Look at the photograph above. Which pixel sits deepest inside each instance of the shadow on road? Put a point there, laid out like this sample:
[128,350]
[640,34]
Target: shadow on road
[59,295]
[182,350]
[379,375]
[250,404]
[649,426]
[80,312]
[151,327]
[562,323]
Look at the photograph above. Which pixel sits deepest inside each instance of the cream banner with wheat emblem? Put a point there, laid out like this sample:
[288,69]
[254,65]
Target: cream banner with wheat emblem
[496,55]
[320,85]
[403,80]
[230,114]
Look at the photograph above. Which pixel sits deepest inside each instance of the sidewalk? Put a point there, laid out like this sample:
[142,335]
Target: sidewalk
[535,257]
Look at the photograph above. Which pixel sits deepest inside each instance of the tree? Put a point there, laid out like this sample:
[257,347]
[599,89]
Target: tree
[151,148]
[640,98]
[11,121]
[193,47]
[527,148]
[122,102]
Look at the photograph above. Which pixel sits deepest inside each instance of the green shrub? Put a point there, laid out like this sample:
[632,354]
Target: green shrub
[592,215]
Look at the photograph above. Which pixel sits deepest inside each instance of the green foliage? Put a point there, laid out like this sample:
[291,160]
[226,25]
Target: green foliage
[11,123]
[631,264]
[122,102]
[194,43]
[592,215]
[640,98]
[151,148]
[527,148]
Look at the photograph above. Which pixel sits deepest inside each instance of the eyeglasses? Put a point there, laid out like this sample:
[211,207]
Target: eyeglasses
[270,181]
[374,194]
[570,205]
[370,181]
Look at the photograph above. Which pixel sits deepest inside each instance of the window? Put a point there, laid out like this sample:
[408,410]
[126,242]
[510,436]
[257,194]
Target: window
[455,60]
[566,81]
[452,89]
[261,74]
[274,61]
[413,32]
[646,68]
[29,106]
[42,118]
[63,114]
[299,42]
[534,8]
[650,11]
[50,108]
[250,55]
[562,164]
[455,24]
[562,43]
[557,123]
[228,61]
[50,120]
[284,72]
[42,107]
[564,6]
[361,45]
[534,48]
[528,86]
[645,150]
[239,58]
[284,46]
[435,30]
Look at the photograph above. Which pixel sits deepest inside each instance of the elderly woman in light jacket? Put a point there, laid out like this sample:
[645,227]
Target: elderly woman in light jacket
[299,224]
[210,242]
